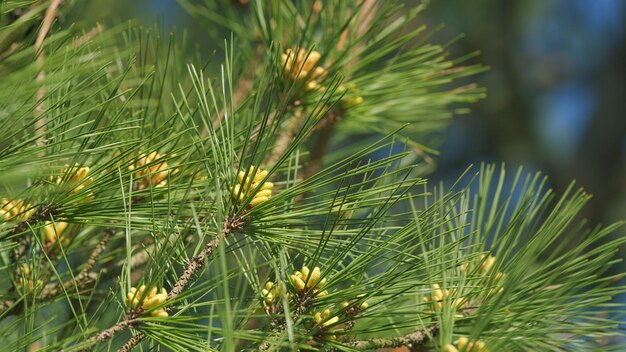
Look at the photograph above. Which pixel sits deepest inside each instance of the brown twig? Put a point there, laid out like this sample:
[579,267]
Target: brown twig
[82,279]
[43,212]
[414,341]
[51,14]
[85,276]
[325,132]
[85,38]
[193,266]
[326,128]
[132,342]
[130,320]
[285,137]
[95,254]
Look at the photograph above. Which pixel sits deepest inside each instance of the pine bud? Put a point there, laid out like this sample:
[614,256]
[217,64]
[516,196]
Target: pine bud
[151,170]
[297,282]
[54,230]
[15,210]
[437,292]
[331,321]
[152,299]
[322,318]
[248,184]
[26,280]
[315,277]
[450,348]
[76,177]
[305,272]
[439,296]
[300,65]
[309,279]
[362,306]
[464,344]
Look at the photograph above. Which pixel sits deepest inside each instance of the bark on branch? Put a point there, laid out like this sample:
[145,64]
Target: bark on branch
[414,341]
[195,264]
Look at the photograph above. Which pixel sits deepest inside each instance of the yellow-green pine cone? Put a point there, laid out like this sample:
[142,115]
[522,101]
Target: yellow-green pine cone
[364,305]
[450,348]
[247,187]
[53,230]
[466,345]
[331,321]
[153,298]
[15,209]
[314,279]
[152,170]
[159,313]
[76,176]
[462,342]
[322,318]
[487,262]
[300,65]
[133,295]
[297,282]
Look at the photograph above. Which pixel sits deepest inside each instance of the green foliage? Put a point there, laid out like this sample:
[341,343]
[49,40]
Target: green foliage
[128,161]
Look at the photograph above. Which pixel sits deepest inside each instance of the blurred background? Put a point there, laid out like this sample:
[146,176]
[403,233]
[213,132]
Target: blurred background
[556,92]
[556,86]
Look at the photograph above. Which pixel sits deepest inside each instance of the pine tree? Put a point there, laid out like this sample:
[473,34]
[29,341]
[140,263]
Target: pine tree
[273,196]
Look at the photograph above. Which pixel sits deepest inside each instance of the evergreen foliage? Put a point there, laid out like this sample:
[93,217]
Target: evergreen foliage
[273,196]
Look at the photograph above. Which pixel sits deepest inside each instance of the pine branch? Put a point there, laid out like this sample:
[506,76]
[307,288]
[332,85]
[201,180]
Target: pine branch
[415,341]
[130,320]
[193,266]
[46,24]
[85,276]
[285,137]
[82,279]
[132,342]
[51,13]
[325,131]
[361,219]
[42,213]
